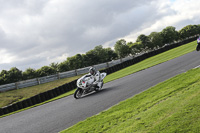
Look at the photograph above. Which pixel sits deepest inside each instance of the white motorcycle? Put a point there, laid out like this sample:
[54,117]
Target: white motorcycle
[198,44]
[85,86]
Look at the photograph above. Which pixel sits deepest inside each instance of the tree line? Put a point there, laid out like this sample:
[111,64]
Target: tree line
[99,54]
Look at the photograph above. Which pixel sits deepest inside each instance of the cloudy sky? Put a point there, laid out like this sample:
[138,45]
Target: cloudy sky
[35,33]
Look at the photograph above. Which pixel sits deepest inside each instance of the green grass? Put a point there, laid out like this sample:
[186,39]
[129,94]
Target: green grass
[171,106]
[152,61]
[13,96]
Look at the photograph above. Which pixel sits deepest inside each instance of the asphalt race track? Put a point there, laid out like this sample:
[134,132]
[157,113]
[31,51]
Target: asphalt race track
[63,113]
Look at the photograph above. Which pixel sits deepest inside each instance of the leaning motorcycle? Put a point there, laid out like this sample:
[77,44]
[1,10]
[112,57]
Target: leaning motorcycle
[85,86]
[198,44]
[198,47]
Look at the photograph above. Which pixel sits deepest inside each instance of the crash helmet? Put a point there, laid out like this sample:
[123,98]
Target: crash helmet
[92,71]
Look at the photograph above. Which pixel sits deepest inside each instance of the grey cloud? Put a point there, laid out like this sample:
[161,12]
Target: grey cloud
[29,6]
[49,29]
[2,37]
[95,22]
[35,63]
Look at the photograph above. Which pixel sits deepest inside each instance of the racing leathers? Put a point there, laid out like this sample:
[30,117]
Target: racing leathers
[97,80]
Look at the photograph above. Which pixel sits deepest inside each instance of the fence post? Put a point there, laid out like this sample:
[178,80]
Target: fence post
[76,72]
[38,80]
[107,64]
[58,74]
[120,60]
[16,85]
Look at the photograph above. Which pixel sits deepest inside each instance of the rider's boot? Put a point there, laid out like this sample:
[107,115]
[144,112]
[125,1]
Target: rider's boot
[99,85]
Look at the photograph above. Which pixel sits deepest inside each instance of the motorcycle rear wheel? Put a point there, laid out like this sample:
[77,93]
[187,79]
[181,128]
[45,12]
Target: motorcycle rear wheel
[78,93]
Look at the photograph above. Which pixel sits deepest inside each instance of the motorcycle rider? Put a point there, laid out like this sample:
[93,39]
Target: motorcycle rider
[198,44]
[97,77]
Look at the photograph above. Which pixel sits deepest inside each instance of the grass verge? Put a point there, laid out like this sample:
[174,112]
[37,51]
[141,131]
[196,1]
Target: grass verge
[171,106]
[9,97]
[152,61]
[13,96]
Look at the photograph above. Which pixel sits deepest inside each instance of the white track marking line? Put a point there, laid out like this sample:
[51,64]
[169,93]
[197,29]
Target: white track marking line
[197,66]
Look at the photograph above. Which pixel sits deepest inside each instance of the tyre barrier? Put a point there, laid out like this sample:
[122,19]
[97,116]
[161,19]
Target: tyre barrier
[46,96]
[5,110]
[72,85]
[1,112]
[19,104]
[33,99]
[50,94]
[10,109]
[61,89]
[42,97]
[15,107]
[57,91]
[65,88]
[54,93]
[24,104]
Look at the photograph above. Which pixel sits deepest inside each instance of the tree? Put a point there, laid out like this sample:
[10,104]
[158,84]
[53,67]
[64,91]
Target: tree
[91,58]
[144,41]
[110,55]
[121,48]
[54,66]
[169,34]
[1,81]
[104,54]
[156,40]
[4,77]
[29,74]
[189,30]
[136,47]
[63,66]
[75,62]
[45,71]
[198,29]
[14,75]
[100,53]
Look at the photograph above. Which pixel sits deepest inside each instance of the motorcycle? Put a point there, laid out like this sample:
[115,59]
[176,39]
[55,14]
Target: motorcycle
[85,86]
[198,44]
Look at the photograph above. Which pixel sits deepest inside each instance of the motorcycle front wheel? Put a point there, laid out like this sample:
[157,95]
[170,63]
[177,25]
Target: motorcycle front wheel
[78,93]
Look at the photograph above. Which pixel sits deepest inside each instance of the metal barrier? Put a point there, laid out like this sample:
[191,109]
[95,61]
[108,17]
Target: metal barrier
[46,79]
